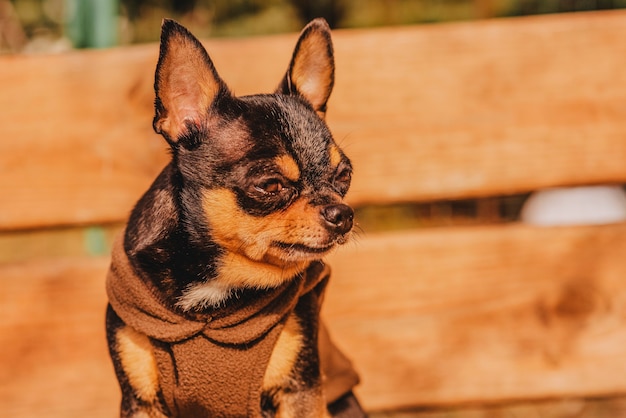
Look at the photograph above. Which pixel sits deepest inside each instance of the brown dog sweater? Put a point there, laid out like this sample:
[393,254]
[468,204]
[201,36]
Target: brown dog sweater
[213,365]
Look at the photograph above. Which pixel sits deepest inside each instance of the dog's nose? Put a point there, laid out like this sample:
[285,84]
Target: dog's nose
[338,218]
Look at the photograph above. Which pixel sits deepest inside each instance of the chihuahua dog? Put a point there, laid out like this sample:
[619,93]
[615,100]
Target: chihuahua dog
[216,285]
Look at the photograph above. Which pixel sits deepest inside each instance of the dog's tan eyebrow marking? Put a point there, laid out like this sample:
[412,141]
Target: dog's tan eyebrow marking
[288,167]
[335,155]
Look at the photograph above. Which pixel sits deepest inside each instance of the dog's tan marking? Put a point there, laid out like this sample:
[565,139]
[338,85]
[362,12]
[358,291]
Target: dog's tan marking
[285,354]
[252,236]
[239,270]
[236,271]
[288,167]
[303,404]
[280,371]
[147,412]
[250,259]
[138,363]
[335,155]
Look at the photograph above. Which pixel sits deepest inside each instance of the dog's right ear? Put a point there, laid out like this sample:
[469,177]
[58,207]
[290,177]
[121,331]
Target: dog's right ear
[186,84]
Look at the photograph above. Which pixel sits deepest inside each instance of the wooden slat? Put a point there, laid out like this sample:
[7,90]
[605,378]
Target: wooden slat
[483,108]
[438,317]
[76,140]
[484,314]
[53,354]
[443,111]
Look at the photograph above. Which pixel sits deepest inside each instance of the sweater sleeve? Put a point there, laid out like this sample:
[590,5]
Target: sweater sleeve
[340,377]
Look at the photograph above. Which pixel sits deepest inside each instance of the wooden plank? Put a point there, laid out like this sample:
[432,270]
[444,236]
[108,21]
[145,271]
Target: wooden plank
[78,145]
[442,111]
[437,317]
[579,408]
[53,355]
[482,108]
[483,314]
[57,243]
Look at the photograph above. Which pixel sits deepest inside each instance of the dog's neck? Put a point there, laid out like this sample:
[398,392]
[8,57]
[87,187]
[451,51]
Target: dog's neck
[234,273]
[159,247]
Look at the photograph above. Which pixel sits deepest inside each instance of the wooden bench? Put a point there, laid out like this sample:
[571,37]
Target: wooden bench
[430,316]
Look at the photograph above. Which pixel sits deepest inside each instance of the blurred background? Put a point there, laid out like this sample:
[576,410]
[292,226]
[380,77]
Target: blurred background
[56,25]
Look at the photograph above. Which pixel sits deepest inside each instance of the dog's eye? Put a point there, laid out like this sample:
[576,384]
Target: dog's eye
[270,186]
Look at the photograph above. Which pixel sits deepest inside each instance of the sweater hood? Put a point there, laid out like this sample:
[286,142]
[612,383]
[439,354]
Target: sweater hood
[246,317]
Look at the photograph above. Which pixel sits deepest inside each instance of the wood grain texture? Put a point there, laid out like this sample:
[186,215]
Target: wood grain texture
[482,108]
[442,111]
[483,314]
[53,354]
[79,146]
[437,317]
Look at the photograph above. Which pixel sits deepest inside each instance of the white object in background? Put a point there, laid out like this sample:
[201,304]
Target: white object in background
[591,205]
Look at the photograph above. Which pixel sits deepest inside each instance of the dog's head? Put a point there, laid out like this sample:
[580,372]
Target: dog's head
[260,175]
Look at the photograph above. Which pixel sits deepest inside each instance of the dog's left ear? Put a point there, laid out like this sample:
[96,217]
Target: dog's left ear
[311,73]
[186,84]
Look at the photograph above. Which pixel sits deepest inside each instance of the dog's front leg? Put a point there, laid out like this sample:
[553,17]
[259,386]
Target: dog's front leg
[293,375]
[305,403]
[135,367]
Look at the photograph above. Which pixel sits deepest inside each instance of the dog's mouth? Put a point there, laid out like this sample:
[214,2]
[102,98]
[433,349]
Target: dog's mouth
[295,248]
[298,251]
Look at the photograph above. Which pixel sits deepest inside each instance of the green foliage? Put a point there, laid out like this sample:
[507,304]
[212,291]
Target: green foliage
[140,19]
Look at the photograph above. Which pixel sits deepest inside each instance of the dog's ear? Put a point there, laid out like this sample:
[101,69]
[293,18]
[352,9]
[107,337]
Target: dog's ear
[186,83]
[311,73]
